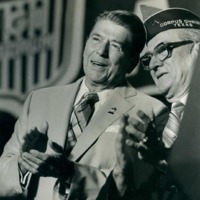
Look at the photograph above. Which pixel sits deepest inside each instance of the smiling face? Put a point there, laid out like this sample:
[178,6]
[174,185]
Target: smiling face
[107,56]
[173,75]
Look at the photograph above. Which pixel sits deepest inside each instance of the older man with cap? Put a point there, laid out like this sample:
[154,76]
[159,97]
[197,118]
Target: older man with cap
[172,46]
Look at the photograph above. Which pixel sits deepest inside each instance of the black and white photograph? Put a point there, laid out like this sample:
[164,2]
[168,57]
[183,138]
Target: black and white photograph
[99,100]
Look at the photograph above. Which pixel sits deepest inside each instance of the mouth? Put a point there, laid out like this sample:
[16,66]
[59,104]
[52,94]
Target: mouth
[100,64]
[158,76]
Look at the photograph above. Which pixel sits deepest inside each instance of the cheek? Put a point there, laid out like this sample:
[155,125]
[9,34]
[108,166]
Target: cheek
[119,63]
[153,76]
[86,55]
[88,50]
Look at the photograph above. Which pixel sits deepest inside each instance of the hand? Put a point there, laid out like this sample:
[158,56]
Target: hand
[51,165]
[123,152]
[136,129]
[125,159]
[34,139]
[144,138]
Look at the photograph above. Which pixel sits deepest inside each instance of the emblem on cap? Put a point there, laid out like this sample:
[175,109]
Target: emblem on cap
[157,20]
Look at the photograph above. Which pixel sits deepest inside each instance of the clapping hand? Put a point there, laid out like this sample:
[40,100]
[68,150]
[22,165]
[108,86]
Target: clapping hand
[36,139]
[143,136]
[122,172]
[34,160]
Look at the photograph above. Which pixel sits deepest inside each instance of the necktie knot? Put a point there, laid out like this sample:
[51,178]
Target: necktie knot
[81,116]
[86,108]
[88,99]
[91,96]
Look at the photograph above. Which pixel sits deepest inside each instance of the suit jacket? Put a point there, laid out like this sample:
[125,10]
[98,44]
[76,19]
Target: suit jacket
[185,157]
[94,152]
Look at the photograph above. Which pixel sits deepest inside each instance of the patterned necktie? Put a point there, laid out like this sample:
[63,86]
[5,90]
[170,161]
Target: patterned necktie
[172,127]
[81,115]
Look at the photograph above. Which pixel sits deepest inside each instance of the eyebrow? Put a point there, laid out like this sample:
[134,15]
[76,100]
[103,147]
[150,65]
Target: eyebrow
[96,34]
[149,52]
[114,40]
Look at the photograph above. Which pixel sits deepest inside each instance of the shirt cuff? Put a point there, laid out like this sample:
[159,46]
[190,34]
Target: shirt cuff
[24,179]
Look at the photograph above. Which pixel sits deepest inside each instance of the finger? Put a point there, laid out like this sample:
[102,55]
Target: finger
[31,164]
[145,118]
[37,166]
[39,155]
[134,133]
[121,137]
[123,121]
[22,165]
[40,163]
[25,165]
[131,143]
[140,146]
[140,156]
[137,124]
[32,158]
[122,125]
[56,147]
[44,128]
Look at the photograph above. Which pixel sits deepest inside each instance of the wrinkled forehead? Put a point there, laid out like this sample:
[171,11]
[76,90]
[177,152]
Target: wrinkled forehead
[165,36]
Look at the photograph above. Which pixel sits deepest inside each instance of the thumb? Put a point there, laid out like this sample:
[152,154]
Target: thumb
[123,121]
[44,128]
[55,147]
[122,135]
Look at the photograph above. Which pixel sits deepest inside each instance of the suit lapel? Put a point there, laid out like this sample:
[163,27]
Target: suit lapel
[110,111]
[59,114]
[60,105]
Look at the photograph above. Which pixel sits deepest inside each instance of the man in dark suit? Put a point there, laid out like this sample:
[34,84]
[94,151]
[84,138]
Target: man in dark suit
[53,144]
[173,37]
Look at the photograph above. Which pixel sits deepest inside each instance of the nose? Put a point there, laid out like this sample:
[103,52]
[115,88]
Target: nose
[155,63]
[103,49]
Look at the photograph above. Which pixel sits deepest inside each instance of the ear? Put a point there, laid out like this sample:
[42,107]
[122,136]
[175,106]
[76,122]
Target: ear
[195,49]
[194,52]
[133,63]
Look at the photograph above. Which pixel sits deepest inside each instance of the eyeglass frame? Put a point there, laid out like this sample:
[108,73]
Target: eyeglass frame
[169,47]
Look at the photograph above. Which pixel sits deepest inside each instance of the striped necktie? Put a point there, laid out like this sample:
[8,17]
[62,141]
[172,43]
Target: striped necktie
[172,127]
[81,116]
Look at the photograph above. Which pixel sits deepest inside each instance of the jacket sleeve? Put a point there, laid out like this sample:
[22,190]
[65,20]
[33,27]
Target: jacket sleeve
[9,172]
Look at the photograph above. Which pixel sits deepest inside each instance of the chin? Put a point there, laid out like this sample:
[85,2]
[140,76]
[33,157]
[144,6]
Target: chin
[163,91]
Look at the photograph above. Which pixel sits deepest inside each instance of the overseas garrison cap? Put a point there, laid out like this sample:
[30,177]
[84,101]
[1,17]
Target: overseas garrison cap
[157,20]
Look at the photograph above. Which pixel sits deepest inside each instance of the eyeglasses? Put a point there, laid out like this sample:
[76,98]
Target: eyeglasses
[162,51]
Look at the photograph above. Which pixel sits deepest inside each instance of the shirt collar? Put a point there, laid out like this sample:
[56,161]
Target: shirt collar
[103,95]
[183,100]
[82,90]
